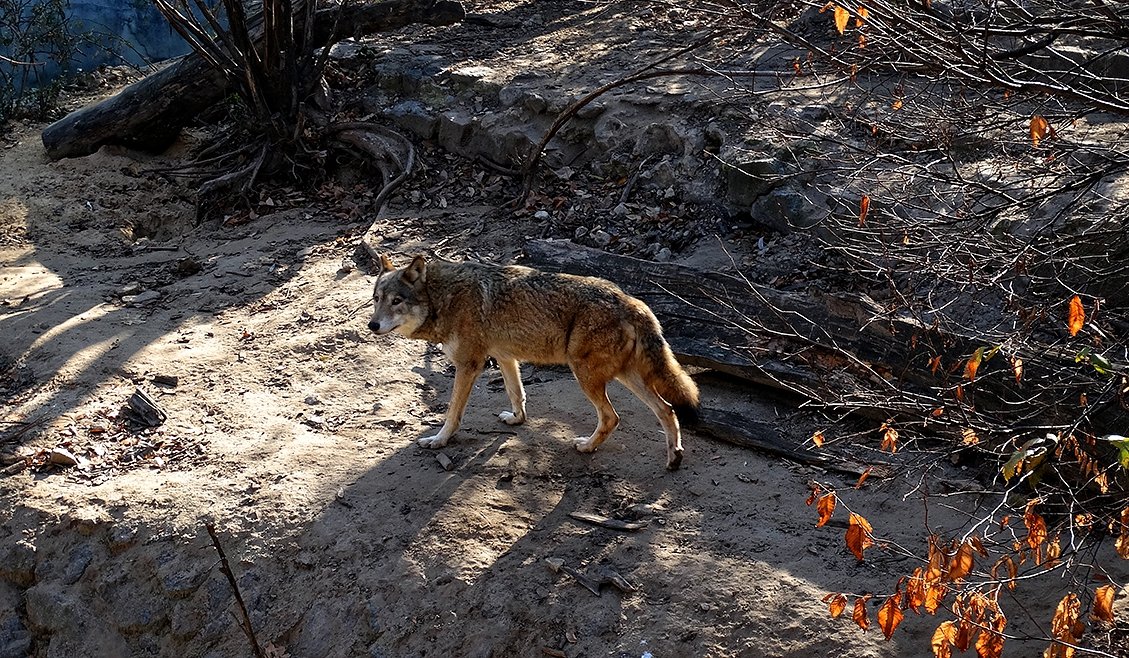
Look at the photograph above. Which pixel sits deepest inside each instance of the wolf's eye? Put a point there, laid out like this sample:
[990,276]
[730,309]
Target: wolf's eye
[396,301]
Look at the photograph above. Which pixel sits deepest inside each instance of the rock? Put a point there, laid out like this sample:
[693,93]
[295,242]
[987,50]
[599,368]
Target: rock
[121,538]
[541,215]
[592,110]
[444,461]
[664,255]
[17,563]
[788,210]
[750,180]
[180,584]
[129,289]
[315,421]
[306,559]
[620,210]
[80,559]
[413,116]
[535,103]
[659,139]
[141,299]
[62,457]
[815,113]
[511,95]
[52,609]
[15,640]
[186,620]
[453,130]
[601,238]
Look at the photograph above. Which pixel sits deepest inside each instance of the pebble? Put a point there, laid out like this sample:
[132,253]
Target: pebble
[62,457]
[541,215]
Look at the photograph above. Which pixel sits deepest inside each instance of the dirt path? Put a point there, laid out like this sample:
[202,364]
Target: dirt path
[292,429]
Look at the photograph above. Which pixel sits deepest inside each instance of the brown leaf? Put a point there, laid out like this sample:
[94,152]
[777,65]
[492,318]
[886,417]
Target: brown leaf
[990,644]
[973,364]
[862,478]
[1065,625]
[842,16]
[915,590]
[1040,129]
[943,640]
[1075,316]
[817,439]
[1036,529]
[935,364]
[961,563]
[1122,543]
[859,612]
[889,438]
[825,507]
[864,206]
[859,535]
[934,597]
[968,437]
[1103,603]
[890,615]
[1017,368]
[836,604]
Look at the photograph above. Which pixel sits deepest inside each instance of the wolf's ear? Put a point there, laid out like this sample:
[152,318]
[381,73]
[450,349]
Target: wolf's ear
[416,271]
[386,263]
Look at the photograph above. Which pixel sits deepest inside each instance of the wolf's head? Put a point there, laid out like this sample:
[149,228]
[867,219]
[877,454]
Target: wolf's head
[400,297]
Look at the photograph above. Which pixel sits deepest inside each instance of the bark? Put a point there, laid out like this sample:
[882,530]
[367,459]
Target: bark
[149,114]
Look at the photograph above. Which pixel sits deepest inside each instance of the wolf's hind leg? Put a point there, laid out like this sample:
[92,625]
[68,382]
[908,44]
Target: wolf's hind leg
[595,388]
[511,375]
[664,412]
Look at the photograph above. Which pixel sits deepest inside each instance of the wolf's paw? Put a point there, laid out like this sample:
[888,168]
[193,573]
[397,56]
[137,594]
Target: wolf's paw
[674,460]
[584,444]
[510,418]
[432,442]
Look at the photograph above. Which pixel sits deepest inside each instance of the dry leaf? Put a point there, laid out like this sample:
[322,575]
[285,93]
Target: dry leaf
[1103,603]
[943,640]
[859,535]
[862,478]
[890,615]
[859,613]
[898,104]
[968,437]
[825,507]
[915,590]
[864,209]
[990,644]
[836,604]
[1075,316]
[817,439]
[842,16]
[961,563]
[1040,129]
[889,438]
[935,364]
[973,364]
[1017,368]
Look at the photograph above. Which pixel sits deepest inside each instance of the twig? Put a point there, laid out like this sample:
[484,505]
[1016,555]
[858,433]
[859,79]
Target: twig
[225,569]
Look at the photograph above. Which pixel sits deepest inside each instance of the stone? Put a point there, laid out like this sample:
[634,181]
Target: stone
[413,116]
[51,609]
[121,538]
[511,95]
[17,563]
[663,255]
[749,180]
[659,139]
[80,559]
[454,128]
[62,457]
[789,209]
[15,639]
[535,103]
[541,215]
[141,299]
[129,289]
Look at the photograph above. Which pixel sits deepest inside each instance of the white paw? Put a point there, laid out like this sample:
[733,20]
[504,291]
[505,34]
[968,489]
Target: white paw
[510,418]
[437,441]
[585,444]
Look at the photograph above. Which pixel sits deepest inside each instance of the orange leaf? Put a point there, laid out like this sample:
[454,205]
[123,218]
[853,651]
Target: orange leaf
[1040,129]
[859,613]
[1036,529]
[1075,316]
[934,596]
[1122,543]
[825,507]
[859,535]
[961,563]
[990,644]
[817,439]
[889,438]
[979,546]
[1065,625]
[935,364]
[1103,603]
[864,209]
[841,18]
[898,104]
[862,478]
[968,437]
[836,604]
[973,364]
[890,615]
[943,640]
[1017,368]
[915,590]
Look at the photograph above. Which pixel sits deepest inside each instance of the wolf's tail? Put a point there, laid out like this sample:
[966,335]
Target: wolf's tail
[666,377]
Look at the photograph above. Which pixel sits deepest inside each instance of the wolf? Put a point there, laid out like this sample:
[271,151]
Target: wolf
[515,314]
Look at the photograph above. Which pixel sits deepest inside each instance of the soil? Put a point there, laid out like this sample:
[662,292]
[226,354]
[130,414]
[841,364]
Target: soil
[292,429]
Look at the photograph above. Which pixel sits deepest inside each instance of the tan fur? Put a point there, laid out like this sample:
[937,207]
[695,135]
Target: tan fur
[516,314]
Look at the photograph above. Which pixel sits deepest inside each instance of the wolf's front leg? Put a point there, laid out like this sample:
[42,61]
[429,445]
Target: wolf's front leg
[465,374]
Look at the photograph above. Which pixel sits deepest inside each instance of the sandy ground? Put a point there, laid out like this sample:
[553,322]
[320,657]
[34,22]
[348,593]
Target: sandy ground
[292,429]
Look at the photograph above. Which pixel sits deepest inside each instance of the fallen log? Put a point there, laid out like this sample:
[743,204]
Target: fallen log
[149,114]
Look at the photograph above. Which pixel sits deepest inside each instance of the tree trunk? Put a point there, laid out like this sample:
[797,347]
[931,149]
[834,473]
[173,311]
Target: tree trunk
[148,114]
